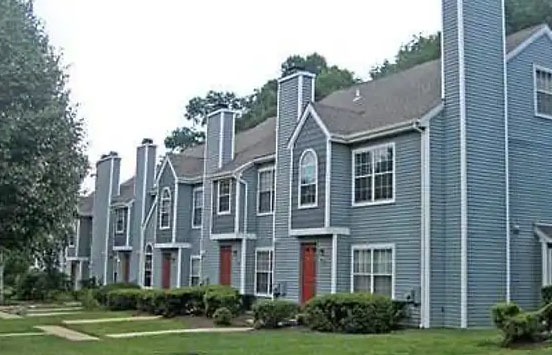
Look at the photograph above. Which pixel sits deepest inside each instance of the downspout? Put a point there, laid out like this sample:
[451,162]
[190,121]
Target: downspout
[243,261]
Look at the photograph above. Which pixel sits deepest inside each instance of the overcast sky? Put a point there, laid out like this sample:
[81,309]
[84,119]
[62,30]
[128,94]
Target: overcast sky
[134,64]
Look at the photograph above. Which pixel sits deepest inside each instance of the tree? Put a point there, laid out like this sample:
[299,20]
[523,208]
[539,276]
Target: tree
[183,138]
[198,107]
[42,161]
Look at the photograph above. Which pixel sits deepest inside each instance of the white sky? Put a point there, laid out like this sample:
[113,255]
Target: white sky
[134,64]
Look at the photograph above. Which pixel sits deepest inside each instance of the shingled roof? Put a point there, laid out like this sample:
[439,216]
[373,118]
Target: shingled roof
[86,205]
[126,192]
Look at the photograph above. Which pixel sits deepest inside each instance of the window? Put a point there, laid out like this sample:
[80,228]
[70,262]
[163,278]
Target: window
[308,179]
[120,220]
[263,272]
[74,234]
[265,195]
[194,270]
[165,209]
[224,196]
[197,207]
[543,92]
[148,265]
[373,174]
[373,269]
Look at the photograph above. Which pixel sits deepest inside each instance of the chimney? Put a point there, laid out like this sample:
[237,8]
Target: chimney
[474,84]
[220,137]
[106,186]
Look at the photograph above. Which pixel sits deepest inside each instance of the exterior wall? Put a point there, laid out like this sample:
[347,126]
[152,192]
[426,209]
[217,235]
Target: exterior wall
[311,137]
[340,186]
[223,223]
[227,137]
[530,140]
[166,180]
[184,214]
[85,236]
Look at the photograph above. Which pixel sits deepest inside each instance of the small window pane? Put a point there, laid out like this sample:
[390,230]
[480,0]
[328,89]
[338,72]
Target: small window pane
[362,283]
[544,92]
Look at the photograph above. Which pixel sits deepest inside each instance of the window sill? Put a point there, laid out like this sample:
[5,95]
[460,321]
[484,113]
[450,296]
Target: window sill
[196,227]
[164,228]
[306,207]
[266,295]
[375,203]
[262,214]
[224,213]
[543,115]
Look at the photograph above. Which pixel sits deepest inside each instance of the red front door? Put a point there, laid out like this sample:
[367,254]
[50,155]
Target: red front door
[126,267]
[226,265]
[166,280]
[308,272]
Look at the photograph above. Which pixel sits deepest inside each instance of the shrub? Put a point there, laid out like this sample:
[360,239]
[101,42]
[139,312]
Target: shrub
[545,316]
[352,313]
[271,314]
[222,316]
[87,300]
[546,293]
[522,327]
[123,299]
[147,300]
[185,301]
[40,285]
[101,293]
[221,296]
[501,312]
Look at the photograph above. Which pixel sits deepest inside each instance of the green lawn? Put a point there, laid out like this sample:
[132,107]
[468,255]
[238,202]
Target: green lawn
[128,327]
[433,342]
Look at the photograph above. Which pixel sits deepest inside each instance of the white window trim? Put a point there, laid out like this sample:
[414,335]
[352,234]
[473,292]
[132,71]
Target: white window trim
[192,258]
[219,212]
[315,203]
[373,202]
[535,90]
[196,189]
[272,195]
[375,247]
[161,200]
[257,250]
[76,233]
[117,211]
[144,266]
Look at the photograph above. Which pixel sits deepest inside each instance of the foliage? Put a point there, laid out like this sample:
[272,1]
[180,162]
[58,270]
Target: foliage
[151,301]
[42,159]
[501,312]
[183,138]
[41,286]
[17,263]
[521,14]
[185,301]
[523,327]
[89,284]
[87,300]
[221,296]
[545,316]
[123,299]
[546,293]
[273,313]
[352,313]
[101,293]
[222,316]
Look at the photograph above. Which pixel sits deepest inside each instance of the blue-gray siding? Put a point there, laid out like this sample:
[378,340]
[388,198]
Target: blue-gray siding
[224,223]
[166,180]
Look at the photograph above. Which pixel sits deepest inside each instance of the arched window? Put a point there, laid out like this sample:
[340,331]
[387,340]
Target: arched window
[308,179]
[165,209]
[148,265]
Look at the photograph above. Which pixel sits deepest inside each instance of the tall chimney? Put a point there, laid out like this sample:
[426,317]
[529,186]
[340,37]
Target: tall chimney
[220,137]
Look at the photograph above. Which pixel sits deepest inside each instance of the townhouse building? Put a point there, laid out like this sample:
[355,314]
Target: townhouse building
[429,186]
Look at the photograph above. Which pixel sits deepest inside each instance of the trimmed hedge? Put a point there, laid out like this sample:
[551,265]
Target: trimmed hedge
[273,313]
[222,316]
[518,326]
[501,312]
[352,313]
[150,301]
[221,296]
[123,299]
[101,293]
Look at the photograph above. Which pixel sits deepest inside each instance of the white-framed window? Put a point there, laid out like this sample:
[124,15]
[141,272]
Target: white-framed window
[165,209]
[543,92]
[148,266]
[308,179]
[197,207]
[263,271]
[265,191]
[120,220]
[373,175]
[373,269]
[194,270]
[224,190]
[74,234]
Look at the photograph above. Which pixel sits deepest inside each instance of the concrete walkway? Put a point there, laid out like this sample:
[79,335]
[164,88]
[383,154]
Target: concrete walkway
[65,333]
[179,331]
[12,335]
[51,314]
[110,320]
[4,315]
[50,310]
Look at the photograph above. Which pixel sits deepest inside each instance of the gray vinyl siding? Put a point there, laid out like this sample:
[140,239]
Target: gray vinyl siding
[310,137]
[85,236]
[184,214]
[227,137]
[166,180]
[119,237]
[395,223]
[340,186]
[210,260]
[212,144]
[101,212]
[224,223]
[286,268]
[530,166]
[438,240]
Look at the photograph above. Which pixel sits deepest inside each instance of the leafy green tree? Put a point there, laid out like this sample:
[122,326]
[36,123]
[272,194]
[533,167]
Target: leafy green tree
[198,107]
[183,138]
[521,14]
[42,160]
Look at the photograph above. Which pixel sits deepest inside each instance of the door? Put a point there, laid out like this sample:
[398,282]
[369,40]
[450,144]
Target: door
[226,265]
[126,267]
[166,279]
[308,272]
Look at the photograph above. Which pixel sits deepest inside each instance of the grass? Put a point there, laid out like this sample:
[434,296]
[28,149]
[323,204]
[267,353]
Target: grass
[100,329]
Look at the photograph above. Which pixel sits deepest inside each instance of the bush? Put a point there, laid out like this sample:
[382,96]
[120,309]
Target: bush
[271,314]
[40,285]
[101,293]
[352,313]
[185,301]
[522,327]
[148,300]
[221,296]
[123,299]
[546,293]
[222,316]
[501,312]
[87,300]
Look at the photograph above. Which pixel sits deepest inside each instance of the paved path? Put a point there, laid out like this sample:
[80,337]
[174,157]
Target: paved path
[51,314]
[65,333]
[50,310]
[109,320]
[179,331]
[11,335]
[4,315]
